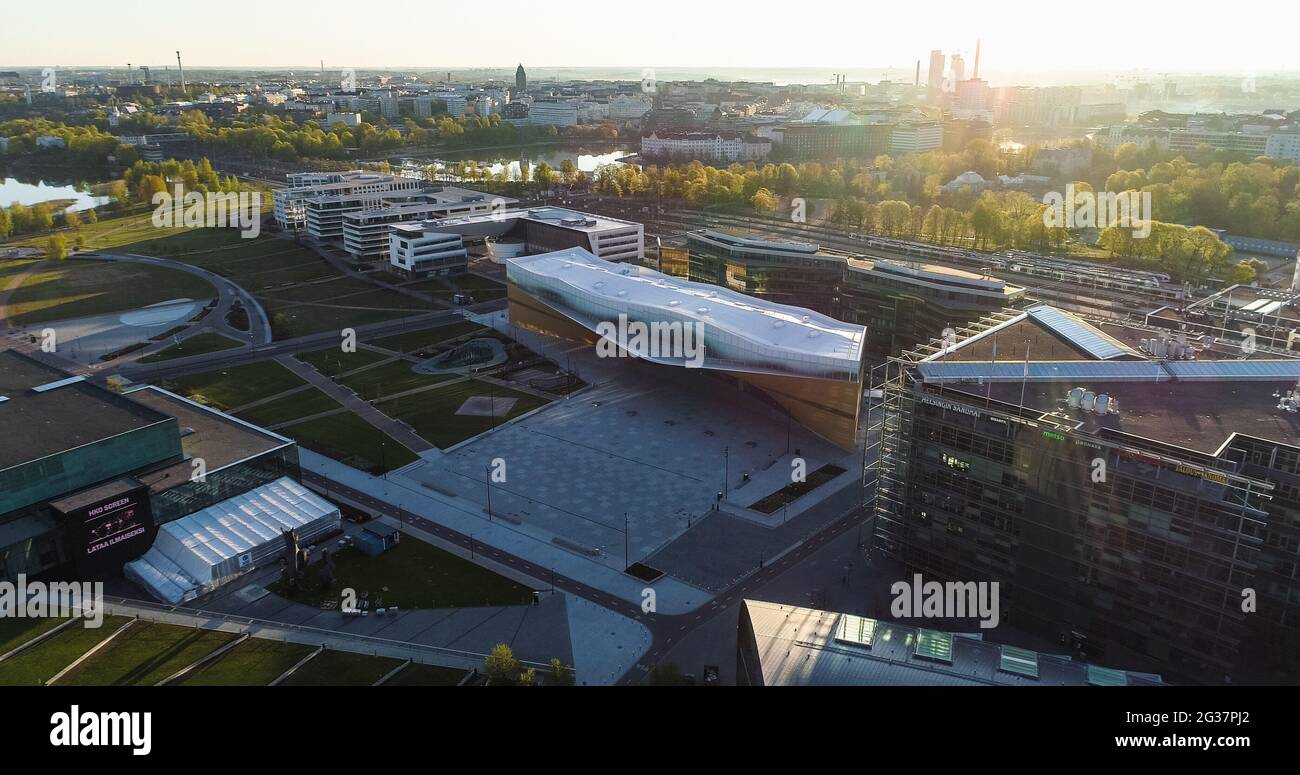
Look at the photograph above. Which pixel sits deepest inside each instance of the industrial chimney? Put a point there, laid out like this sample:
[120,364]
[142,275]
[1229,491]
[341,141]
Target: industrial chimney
[181,68]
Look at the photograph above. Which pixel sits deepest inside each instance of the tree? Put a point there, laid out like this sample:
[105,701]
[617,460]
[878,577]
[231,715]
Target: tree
[501,666]
[72,220]
[568,172]
[667,674]
[529,678]
[763,201]
[561,674]
[56,247]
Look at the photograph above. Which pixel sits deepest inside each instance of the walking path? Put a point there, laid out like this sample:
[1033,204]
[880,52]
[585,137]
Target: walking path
[399,431]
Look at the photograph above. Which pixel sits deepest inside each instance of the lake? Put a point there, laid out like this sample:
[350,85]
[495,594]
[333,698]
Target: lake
[14,190]
[586,159]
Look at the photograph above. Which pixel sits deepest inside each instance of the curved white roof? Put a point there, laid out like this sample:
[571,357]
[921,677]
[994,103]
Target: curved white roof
[779,331]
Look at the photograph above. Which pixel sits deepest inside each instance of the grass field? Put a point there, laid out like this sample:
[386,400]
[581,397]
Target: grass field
[481,288]
[238,385]
[304,403]
[389,379]
[42,662]
[196,345]
[342,668]
[77,288]
[426,339]
[412,574]
[433,413]
[15,631]
[332,360]
[146,653]
[426,675]
[351,440]
[254,662]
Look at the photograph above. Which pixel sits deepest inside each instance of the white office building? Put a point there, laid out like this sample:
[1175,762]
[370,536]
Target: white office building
[916,138]
[421,250]
[317,201]
[1284,146]
[365,232]
[542,229]
[553,113]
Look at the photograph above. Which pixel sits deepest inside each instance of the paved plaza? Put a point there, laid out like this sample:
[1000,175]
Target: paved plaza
[648,444]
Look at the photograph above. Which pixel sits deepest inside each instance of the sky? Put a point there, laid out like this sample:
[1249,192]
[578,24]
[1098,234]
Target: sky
[858,37]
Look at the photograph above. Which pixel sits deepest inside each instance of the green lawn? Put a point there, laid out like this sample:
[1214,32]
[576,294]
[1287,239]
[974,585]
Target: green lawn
[14,631]
[145,654]
[412,574]
[195,345]
[75,288]
[255,662]
[332,360]
[342,668]
[304,403]
[351,440]
[426,339]
[289,320]
[237,385]
[426,675]
[390,378]
[433,413]
[40,663]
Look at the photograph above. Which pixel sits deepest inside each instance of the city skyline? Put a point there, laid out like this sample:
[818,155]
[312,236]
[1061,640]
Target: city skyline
[97,37]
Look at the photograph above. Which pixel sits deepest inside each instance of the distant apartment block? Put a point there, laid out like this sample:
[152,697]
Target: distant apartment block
[916,138]
[351,120]
[553,113]
[705,146]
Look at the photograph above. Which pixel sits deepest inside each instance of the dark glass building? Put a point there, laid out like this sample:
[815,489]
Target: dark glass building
[900,302]
[1143,511]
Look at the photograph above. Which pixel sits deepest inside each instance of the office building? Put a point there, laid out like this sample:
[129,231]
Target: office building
[788,645]
[704,146]
[87,475]
[421,250]
[542,229]
[918,137]
[365,232]
[900,301]
[1128,485]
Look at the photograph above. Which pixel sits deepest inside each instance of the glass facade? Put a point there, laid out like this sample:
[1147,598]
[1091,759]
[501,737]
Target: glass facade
[1148,562]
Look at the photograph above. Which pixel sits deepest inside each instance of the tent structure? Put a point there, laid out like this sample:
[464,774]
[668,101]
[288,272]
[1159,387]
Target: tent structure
[197,553]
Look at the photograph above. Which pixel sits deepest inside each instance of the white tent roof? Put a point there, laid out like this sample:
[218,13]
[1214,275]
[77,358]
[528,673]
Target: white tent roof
[207,547]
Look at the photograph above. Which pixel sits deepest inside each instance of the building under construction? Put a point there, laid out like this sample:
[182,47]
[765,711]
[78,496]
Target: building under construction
[1134,490]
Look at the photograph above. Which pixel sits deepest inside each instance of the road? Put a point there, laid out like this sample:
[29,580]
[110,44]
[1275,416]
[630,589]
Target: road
[142,372]
[665,630]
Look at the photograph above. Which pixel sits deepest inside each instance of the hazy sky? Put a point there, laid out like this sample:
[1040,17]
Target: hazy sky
[849,35]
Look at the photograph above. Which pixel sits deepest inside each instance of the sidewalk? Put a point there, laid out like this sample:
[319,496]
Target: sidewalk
[399,431]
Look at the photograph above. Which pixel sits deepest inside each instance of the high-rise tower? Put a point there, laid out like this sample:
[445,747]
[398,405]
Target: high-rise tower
[521,80]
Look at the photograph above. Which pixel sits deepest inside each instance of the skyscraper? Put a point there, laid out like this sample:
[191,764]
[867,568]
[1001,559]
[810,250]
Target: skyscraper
[958,68]
[521,80]
[934,83]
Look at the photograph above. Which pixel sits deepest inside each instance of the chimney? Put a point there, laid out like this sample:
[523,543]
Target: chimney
[977,59]
[181,68]
[917,82]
